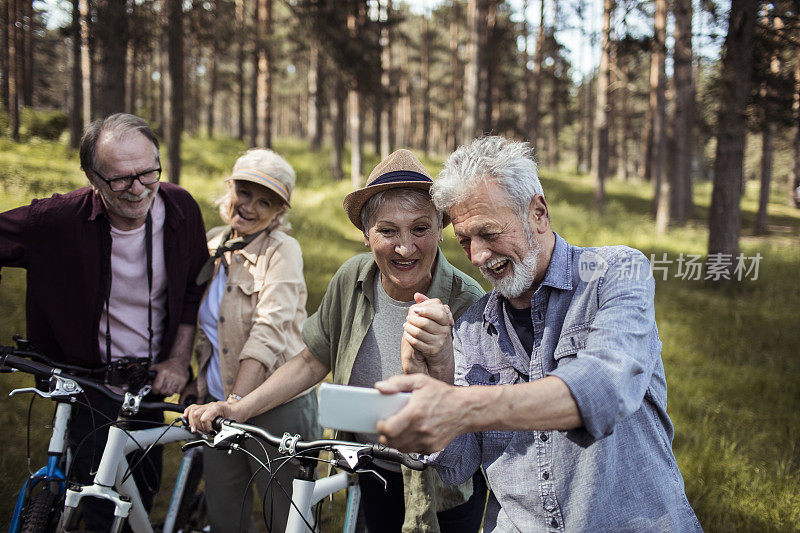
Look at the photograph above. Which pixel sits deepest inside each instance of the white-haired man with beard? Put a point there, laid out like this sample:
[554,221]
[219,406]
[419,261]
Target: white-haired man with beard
[560,390]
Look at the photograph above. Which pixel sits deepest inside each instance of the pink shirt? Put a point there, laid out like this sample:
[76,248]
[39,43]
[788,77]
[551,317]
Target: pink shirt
[129,292]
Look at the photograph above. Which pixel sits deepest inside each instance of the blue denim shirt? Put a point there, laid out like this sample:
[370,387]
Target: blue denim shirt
[594,327]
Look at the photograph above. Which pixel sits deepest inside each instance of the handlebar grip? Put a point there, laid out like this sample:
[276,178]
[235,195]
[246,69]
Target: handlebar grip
[216,424]
[32,367]
[380,451]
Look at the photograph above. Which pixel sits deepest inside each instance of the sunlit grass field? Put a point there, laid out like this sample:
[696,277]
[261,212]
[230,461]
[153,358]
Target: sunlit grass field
[731,355]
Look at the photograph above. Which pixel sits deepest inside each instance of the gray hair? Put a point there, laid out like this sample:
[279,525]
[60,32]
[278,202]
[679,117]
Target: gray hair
[116,126]
[408,198]
[509,164]
[273,165]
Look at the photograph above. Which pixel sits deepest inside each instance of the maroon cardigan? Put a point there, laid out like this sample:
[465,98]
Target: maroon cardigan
[64,243]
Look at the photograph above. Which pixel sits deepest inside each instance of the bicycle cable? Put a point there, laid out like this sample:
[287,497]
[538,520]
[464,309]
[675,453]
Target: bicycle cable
[273,478]
[28,433]
[129,471]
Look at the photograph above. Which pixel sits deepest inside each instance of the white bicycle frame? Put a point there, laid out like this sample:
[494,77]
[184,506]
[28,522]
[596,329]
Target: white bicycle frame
[306,494]
[111,484]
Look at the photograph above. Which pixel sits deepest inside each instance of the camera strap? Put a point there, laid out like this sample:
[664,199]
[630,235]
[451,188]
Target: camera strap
[148,246]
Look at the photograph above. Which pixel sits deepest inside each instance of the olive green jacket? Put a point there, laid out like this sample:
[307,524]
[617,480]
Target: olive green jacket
[334,335]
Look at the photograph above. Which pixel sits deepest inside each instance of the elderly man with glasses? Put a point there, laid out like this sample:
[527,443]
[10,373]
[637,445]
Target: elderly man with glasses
[111,272]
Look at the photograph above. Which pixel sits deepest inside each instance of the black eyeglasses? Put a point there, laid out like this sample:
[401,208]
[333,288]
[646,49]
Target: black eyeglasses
[148,177]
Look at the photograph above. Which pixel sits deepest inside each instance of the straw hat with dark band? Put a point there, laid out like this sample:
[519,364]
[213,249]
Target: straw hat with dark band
[399,169]
[256,176]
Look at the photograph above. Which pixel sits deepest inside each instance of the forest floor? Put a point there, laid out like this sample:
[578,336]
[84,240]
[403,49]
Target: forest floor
[731,355]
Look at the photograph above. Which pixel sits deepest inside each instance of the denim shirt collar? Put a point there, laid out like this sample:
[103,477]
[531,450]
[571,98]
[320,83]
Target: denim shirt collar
[558,276]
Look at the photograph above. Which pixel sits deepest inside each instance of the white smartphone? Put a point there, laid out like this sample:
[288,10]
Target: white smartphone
[356,409]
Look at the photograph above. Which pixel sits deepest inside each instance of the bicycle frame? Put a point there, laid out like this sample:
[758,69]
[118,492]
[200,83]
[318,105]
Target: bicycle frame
[51,473]
[306,492]
[113,480]
[111,484]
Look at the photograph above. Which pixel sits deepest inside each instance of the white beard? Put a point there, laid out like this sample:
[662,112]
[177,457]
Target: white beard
[523,274]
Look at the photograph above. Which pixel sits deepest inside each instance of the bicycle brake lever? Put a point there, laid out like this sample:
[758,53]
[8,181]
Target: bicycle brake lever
[377,475]
[195,444]
[60,388]
[26,390]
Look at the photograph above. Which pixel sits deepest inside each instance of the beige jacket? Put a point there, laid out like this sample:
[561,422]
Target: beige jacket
[262,311]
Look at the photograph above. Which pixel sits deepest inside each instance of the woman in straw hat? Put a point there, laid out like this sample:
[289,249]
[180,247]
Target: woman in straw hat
[356,334]
[250,323]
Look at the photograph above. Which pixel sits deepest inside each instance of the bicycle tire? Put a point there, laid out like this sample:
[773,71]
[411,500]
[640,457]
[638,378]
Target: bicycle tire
[40,514]
[192,513]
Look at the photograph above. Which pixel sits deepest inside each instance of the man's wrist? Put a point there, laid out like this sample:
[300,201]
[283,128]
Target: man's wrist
[480,406]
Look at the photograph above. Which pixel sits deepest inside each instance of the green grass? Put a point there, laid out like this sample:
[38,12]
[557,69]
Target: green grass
[730,354]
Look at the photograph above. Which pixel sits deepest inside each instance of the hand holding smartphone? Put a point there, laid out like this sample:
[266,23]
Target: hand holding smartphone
[356,409]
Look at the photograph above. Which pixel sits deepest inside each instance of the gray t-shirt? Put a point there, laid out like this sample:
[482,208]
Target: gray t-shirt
[379,355]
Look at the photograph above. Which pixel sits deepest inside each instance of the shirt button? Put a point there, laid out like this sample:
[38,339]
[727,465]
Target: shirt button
[543,437]
[230,381]
[224,350]
[546,476]
[222,319]
[229,288]
[554,522]
[549,504]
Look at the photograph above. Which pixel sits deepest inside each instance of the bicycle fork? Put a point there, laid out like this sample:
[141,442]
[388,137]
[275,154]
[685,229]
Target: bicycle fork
[113,460]
[50,473]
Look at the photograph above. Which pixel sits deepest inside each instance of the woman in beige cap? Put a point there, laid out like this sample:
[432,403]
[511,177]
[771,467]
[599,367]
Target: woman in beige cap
[250,323]
[356,334]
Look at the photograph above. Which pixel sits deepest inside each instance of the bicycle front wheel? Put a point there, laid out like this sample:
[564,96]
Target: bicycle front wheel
[41,513]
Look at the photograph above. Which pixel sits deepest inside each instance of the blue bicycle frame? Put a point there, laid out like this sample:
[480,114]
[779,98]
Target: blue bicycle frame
[50,473]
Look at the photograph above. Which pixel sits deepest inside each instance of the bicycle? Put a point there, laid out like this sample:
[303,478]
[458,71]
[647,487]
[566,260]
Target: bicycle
[350,457]
[42,510]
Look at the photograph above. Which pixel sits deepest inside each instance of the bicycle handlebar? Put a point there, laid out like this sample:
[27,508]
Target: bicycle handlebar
[375,451]
[9,357]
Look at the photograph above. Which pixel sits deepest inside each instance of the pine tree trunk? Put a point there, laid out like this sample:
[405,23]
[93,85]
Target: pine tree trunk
[625,118]
[356,136]
[600,152]
[174,118]
[266,71]
[112,41]
[591,110]
[75,117]
[725,219]
[387,109]
[27,47]
[130,77]
[661,182]
[212,74]
[425,73]
[472,71]
[315,100]
[555,128]
[767,157]
[683,117]
[535,119]
[255,118]
[794,194]
[338,130]
[4,29]
[404,103]
[768,132]
[13,72]
[454,134]
[489,71]
[241,30]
